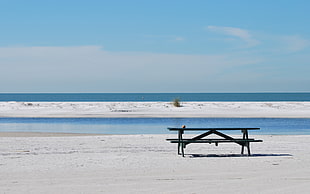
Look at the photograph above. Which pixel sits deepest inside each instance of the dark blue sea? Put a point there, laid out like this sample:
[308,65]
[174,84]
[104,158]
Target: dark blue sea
[166,97]
[268,126]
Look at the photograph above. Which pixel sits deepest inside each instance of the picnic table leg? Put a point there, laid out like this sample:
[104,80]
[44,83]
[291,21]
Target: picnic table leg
[246,144]
[182,149]
[243,137]
[180,144]
[179,135]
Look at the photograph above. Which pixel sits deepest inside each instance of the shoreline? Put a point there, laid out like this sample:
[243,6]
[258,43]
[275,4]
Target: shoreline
[155,110]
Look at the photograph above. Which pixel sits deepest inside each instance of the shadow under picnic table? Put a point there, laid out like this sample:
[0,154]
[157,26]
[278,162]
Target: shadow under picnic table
[234,155]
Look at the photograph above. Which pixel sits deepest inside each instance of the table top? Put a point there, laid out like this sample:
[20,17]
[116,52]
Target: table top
[206,129]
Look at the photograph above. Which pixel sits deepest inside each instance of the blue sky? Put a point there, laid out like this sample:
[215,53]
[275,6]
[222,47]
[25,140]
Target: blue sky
[154,46]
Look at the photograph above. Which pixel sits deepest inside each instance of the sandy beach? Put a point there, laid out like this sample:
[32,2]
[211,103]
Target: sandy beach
[149,164]
[82,163]
[156,109]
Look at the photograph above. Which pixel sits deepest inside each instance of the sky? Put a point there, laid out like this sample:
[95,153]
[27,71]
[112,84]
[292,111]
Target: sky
[154,46]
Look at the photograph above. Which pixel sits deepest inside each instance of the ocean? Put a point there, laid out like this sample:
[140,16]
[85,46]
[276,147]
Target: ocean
[151,97]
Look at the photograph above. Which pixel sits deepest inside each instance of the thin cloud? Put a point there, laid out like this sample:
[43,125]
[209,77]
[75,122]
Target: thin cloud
[295,43]
[82,68]
[179,38]
[168,37]
[239,33]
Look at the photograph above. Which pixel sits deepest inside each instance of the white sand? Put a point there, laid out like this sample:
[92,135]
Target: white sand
[62,163]
[156,109]
[149,164]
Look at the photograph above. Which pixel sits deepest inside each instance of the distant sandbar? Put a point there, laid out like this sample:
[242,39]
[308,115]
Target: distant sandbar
[156,109]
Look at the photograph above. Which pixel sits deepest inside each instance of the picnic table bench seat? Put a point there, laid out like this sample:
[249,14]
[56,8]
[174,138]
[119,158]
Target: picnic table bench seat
[212,140]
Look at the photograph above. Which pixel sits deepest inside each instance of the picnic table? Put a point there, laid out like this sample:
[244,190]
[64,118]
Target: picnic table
[243,142]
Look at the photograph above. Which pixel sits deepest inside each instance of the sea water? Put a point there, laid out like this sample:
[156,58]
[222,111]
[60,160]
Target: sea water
[151,97]
[269,126]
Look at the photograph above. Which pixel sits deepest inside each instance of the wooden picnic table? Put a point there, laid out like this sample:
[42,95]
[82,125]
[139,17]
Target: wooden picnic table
[243,142]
